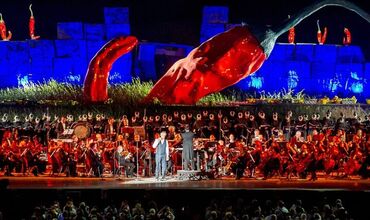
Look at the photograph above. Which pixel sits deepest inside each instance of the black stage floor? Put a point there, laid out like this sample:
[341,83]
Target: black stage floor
[226,183]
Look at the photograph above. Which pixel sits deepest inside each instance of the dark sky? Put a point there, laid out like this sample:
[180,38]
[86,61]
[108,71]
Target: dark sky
[179,20]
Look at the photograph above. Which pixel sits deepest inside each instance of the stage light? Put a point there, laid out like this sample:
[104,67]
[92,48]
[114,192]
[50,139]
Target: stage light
[73,78]
[293,79]
[255,82]
[334,84]
[23,81]
[357,87]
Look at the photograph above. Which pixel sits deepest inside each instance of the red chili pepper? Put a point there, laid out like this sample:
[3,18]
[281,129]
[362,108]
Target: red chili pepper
[226,59]
[3,30]
[291,35]
[216,64]
[321,38]
[2,26]
[96,80]
[31,25]
[347,39]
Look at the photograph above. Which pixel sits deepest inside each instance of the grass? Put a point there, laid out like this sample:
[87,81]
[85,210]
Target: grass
[38,92]
[63,98]
[55,92]
[130,94]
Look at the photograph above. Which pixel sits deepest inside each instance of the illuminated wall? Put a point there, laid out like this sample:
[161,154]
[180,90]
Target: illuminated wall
[65,59]
[214,21]
[318,69]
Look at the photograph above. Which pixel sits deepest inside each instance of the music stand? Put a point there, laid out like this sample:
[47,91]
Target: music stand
[137,140]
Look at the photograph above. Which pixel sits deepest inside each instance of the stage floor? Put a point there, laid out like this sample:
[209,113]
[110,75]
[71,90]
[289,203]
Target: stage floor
[226,183]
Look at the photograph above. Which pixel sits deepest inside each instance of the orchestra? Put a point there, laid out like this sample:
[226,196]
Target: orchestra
[235,144]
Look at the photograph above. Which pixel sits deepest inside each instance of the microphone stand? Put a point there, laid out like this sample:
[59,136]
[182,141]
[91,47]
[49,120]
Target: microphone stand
[137,159]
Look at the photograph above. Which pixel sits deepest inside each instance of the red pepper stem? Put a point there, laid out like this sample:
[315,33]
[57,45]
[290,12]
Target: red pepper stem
[318,26]
[31,10]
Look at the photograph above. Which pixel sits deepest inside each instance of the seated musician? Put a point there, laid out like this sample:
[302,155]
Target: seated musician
[257,137]
[120,140]
[123,159]
[9,157]
[94,158]
[61,126]
[56,157]
[359,138]
[211,144]
[69,160]
[340,136]
[232,142]
[211,148]
[280,136]
[171,133]
[297,140]
[41,159]
[219,157]
[316,137]
[99,141]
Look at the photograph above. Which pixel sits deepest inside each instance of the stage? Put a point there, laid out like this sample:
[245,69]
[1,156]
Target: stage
[148,183]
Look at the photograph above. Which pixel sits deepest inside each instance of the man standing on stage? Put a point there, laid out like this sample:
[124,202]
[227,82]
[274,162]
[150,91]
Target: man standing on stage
[161,155]
[187,152]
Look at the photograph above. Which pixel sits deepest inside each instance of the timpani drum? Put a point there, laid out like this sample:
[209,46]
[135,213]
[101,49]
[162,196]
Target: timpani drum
[82,130]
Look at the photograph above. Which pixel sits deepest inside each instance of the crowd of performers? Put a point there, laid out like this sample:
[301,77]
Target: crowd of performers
[222,143]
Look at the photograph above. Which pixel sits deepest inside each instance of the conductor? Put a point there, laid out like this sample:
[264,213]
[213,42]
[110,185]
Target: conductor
[161,156]
[187,152]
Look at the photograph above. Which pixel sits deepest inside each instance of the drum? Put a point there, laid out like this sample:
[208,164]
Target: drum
[82,130]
